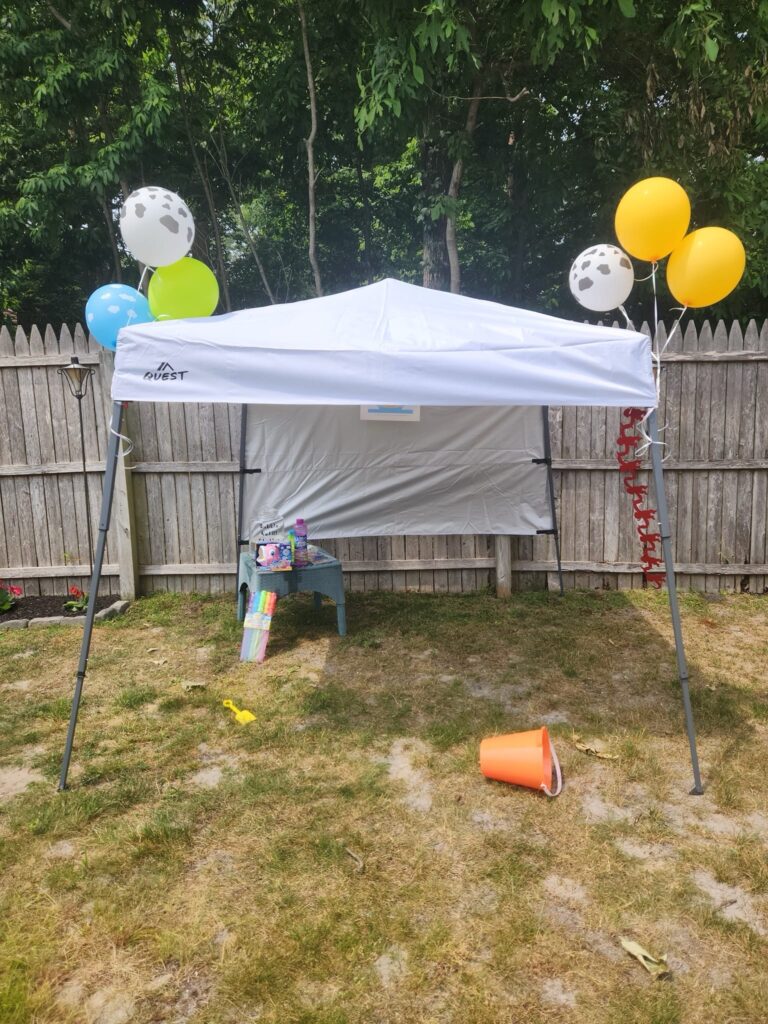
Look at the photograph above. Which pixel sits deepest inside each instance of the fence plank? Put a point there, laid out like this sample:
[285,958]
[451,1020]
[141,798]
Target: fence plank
[385,580]
[503,566]
[67,540]
[10,540]
[33,359]
[758,540]
[30,496]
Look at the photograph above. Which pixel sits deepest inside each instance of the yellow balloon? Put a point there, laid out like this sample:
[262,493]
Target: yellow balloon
[183,289]
[705,267]
[652,218]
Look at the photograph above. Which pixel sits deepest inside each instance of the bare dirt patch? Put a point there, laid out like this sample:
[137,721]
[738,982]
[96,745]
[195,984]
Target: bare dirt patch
[18,686]
[63,850]
[215,761]
[733,903]
[499,693]
[418,789]
[555,993]
[14,781]
[391,967]
[108,1006]
[654,856]
[488,822]
[207,778]
[596,809]
[566,889]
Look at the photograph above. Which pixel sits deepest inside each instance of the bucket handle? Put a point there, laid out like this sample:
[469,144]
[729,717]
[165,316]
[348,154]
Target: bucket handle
[558,774]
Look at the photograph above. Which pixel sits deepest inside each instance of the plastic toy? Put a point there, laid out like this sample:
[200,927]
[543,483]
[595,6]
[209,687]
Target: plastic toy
[243,716]
[522,758]
[257,624]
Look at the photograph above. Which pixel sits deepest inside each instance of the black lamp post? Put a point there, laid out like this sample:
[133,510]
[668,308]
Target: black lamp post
[77,377]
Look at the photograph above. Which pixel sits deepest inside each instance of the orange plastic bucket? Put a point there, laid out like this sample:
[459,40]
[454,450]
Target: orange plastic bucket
[523,759]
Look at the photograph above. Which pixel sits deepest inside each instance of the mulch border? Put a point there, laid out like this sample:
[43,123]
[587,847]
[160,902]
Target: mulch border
[116,608]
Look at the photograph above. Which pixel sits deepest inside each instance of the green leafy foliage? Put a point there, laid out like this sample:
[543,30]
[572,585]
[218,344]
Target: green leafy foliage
[580,98]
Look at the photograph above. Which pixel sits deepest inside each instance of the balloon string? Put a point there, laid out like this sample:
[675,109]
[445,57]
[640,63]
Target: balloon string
[656,355]
[630,324]
[654,267]
[128,441]
[141,279]
[675,326]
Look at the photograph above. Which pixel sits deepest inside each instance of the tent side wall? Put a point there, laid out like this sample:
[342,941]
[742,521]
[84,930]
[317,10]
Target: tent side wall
[452,471]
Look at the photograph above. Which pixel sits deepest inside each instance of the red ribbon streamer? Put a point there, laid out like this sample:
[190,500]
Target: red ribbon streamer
[629,465]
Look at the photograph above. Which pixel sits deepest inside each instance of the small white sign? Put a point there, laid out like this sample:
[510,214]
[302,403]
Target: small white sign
[391,413]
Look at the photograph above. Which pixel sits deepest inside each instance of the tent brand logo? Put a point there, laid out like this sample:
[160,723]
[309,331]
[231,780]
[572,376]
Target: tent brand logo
[165,372]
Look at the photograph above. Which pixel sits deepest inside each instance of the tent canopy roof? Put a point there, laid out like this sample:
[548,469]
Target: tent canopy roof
[388,342]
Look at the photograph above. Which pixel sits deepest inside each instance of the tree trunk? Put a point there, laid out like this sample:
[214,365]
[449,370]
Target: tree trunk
[453,191]
[112,240]
[367,238]
[309,142]
[205,181]
[224,166]
[434,260]
[516,189]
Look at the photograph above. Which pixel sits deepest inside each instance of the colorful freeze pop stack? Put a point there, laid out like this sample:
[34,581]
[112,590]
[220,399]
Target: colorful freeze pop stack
[258,622]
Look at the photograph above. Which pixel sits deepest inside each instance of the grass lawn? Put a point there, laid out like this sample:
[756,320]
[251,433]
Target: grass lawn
[341,860]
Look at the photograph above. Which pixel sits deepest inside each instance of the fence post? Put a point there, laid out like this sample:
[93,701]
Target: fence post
[123,512]
[503,566]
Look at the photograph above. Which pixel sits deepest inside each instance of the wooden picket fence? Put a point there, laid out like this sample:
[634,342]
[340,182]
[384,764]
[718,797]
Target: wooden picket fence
[174,521]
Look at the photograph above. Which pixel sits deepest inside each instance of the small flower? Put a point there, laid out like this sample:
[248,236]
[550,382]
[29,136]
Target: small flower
[8,595]
[75,591]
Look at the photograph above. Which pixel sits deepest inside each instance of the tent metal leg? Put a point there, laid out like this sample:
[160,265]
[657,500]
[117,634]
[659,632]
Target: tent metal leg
[669,565]
[98,561]
[551,490]
[239,539]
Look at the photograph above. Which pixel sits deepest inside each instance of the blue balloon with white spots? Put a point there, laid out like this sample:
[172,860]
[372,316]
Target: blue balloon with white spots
[114,306]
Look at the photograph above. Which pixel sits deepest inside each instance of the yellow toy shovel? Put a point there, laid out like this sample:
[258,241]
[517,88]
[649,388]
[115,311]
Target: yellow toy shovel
[244,716]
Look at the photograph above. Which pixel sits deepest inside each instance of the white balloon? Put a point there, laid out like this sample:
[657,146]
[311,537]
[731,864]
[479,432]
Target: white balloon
[157,226]
[601,278]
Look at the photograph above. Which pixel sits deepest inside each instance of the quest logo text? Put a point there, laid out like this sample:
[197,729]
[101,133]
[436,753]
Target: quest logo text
[165,372]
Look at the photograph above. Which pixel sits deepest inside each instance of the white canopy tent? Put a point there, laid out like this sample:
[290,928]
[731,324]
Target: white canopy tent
[391,343]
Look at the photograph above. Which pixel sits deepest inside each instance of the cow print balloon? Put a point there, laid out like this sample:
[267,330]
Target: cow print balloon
[157,226]
[601,278]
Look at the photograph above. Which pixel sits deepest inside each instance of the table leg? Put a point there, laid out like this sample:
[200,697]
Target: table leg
[242,597]
[341,619]
[318,600]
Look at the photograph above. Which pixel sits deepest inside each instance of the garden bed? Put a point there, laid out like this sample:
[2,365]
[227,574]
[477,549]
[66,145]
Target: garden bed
[46,605]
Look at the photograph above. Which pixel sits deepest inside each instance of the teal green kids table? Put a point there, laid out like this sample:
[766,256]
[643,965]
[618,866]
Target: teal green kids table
[323,578]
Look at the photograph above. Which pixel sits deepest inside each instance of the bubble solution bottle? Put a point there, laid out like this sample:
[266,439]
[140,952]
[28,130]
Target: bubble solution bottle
[301,556]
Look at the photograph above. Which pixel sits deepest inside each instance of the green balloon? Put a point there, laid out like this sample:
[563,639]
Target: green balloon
[183,289]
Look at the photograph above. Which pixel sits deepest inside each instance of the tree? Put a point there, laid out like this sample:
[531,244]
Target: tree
[473,146]
[78,108]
